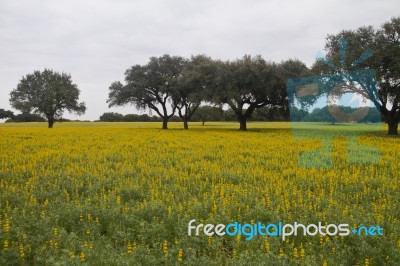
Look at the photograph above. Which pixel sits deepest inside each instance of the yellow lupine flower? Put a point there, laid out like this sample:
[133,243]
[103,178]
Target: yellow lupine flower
[165,247]
[82,257]
[281,252]
[129,247]
[180,255]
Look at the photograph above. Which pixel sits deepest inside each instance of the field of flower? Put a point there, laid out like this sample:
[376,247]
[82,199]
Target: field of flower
[123,194]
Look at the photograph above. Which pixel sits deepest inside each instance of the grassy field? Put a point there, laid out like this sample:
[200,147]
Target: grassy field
[124,193]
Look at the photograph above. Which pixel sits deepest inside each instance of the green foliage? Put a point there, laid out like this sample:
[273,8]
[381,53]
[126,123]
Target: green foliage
[297,114]
[6,114]
[251,83]
[193,86]
[247,82]
[208,113]
[324,115]
[319,115]
[271,113]
[47,93]
[150,86]
[384,44]
[141,118]
[229,115]
[111,117]
[167,84]
[27,117]
[116,117]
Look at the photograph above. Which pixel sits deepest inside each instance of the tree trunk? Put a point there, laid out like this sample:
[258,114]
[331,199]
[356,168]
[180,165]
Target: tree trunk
[392,120]
[243,123]
[203,122]
[51,123]
[185,124]
[392,130]
[165,123]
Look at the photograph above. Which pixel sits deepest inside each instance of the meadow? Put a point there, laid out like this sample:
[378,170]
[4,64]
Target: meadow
[123,194]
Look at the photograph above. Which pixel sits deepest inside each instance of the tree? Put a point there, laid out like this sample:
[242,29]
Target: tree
[251,83]
[384,59]
[209,113]
[288,69]
[271,113]
[297,114]
[388,41]
[6,114]
[192,86]
[111,117]
[229,115]
[247,84]
[133,118]
[150,86]
[374,116]
[319,115]
[47,93]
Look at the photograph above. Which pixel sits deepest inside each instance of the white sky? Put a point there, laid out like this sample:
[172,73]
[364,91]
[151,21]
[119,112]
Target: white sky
[96,41]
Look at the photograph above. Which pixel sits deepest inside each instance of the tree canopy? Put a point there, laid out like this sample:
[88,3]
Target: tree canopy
[369,49]
[251,83]
[151,86]
[47,93]
[6,114]
[194,85]
[246,84]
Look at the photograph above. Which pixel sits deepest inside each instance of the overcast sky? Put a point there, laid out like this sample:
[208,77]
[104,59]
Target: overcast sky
[97,40]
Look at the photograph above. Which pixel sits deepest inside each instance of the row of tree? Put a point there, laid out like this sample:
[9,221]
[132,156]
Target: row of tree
[173,85]
[166,84]
[203,114]
[211,113]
